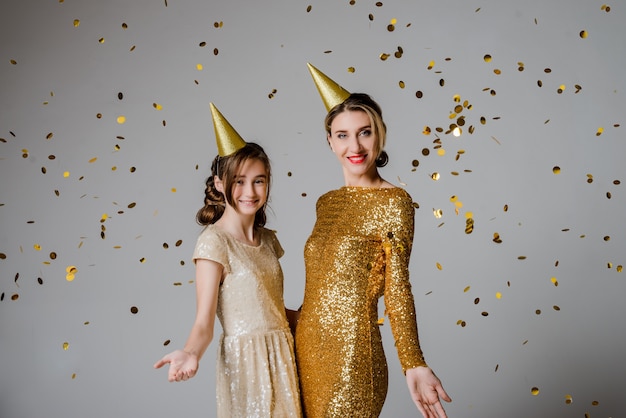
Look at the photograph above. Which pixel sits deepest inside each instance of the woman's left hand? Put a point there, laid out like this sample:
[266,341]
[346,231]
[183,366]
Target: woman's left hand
[426,391]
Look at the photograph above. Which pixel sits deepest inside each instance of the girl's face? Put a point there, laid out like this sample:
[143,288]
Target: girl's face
[249,187]
[353,141]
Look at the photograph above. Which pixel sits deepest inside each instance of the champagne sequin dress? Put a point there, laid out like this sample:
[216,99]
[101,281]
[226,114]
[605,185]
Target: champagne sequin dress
[358,251]
[256,372]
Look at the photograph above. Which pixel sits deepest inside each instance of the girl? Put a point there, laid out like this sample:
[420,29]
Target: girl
[239,279]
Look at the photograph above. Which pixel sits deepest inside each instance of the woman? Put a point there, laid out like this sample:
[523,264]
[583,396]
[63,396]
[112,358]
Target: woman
[359,251]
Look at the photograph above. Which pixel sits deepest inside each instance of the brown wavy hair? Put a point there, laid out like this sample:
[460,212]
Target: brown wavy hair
[227,168]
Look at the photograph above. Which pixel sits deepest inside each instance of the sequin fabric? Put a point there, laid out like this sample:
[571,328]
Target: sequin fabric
[358,251]
[256,372]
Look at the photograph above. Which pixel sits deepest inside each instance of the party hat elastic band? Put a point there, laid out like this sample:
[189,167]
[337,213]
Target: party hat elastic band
[331,92]
[227,138]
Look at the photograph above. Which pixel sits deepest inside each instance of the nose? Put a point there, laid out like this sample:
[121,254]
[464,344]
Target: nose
[249,189]
[355,144]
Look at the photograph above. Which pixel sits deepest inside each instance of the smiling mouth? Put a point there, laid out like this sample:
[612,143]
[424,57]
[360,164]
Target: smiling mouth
[357,159]
[248,202]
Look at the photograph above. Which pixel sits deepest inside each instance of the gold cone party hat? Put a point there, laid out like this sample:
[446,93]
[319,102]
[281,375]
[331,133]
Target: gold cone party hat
[227,138]
[331,92]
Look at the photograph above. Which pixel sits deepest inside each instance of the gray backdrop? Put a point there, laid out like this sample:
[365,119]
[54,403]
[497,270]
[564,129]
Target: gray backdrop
[522,315]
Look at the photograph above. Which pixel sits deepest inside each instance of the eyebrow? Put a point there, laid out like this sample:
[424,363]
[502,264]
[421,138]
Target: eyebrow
[358,130]
[264,176]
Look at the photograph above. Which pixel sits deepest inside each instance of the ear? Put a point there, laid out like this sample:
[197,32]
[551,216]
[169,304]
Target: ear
[328,140]
[219,184]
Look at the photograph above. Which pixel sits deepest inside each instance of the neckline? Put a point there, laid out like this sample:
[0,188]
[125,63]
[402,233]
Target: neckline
[238,241]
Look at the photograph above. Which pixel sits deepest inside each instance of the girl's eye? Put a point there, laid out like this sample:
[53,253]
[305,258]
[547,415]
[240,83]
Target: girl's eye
[260,181]
[341,136]
[366,132]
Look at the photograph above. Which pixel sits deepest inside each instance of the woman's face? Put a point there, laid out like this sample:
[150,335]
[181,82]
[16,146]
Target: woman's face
[353,140]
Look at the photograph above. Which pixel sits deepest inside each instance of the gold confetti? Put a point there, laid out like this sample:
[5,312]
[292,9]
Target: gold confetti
[487,58]
[496,238]
[439,267]
[37,247]
[534,391]
[199,67]
[157,106]
[556,169]
[101,40]
[66,346]
[76,23]
[435,176]
[438,213]
[498,295]
[467,288]
[121,119]
[134,310]
[351,69]
[401,84]
[568,399]
[66,174]
[383,56]
[554,281]
[583,34]
[599,131]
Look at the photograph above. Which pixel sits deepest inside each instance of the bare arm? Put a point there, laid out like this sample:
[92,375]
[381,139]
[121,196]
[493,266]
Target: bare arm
[184,363]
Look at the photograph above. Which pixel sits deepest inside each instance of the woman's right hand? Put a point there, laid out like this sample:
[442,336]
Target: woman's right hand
[183,365]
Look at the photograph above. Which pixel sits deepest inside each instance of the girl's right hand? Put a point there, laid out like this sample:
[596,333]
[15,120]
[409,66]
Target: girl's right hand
[183,365]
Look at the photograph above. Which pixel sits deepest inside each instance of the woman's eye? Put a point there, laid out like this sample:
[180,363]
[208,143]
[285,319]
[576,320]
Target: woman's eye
[366,132]
[260,181]
[341,136]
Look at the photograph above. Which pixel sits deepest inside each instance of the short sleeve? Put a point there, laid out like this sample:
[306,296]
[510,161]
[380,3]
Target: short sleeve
[211,246]
[274,243]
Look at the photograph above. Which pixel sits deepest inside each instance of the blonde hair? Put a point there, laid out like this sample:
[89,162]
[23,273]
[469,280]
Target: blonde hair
[361,102]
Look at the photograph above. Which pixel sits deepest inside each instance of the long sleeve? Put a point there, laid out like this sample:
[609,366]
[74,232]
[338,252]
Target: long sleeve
[399,302]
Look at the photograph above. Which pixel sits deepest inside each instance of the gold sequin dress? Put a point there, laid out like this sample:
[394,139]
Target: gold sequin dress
[358,251]
[256,372]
